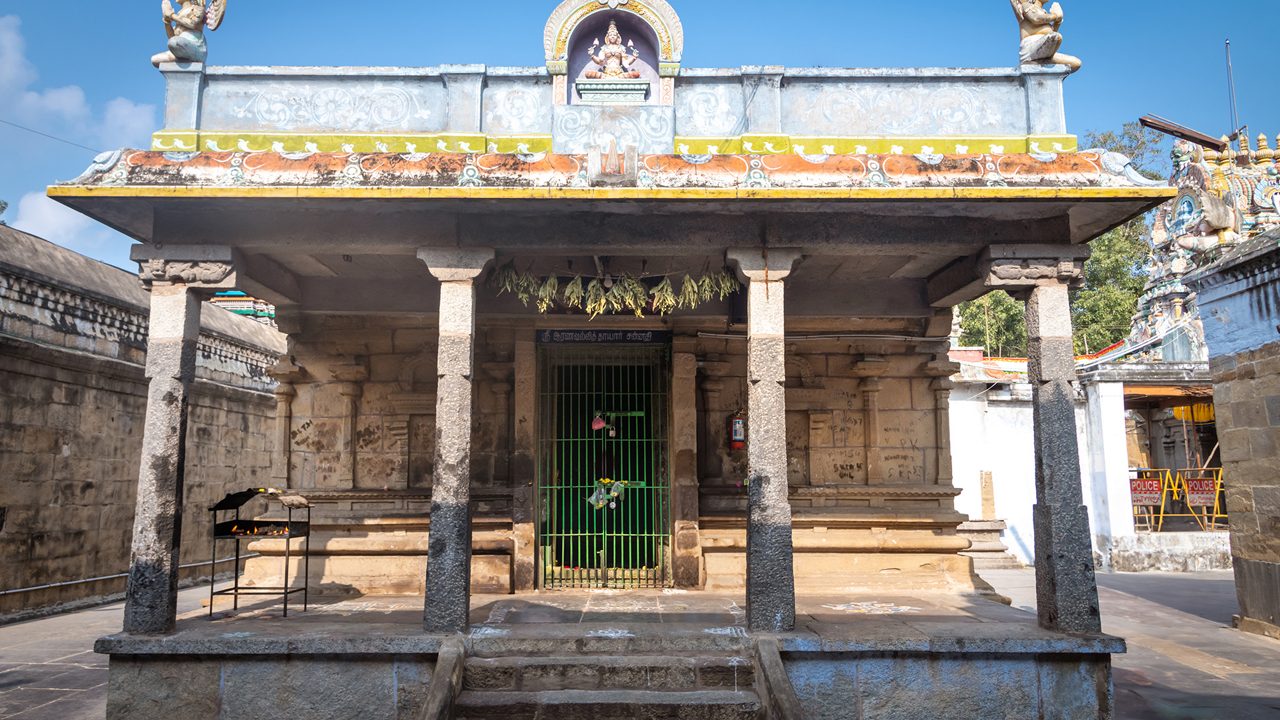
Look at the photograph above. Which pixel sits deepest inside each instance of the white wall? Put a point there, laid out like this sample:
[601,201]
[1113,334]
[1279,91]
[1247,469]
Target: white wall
[991,430]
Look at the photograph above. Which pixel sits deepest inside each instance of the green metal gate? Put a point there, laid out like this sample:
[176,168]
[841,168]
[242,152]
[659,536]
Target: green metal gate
[603,473]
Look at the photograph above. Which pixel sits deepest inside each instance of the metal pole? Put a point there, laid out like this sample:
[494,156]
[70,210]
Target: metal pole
[306,564]
[213,557]
[288,540]
[235,570]
[1231,91]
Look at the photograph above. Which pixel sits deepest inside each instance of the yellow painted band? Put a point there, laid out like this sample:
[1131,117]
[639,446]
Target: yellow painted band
[820,145]
[188,141]
[535,193]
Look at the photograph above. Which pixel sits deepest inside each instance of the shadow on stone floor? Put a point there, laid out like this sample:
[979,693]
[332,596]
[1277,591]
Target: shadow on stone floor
[1138,698]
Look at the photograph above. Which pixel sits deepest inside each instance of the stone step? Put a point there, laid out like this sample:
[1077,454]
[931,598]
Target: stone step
[666,673]
[558,640]
[608,705]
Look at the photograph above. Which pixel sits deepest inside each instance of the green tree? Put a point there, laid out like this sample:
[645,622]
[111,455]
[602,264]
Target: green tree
[1103,309]
[3,206]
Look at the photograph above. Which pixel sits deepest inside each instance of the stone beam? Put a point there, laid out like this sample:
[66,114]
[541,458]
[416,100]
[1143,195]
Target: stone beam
[264,278]
[1000,267]
[448,583]
[1066,588]
[178,288]
[771,596]
[419,296]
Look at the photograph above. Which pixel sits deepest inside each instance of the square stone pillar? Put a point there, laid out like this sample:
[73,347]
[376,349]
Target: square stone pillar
[448,582]
[687,547]
[1066,588]
[524,470]
[151,596]
[771,593]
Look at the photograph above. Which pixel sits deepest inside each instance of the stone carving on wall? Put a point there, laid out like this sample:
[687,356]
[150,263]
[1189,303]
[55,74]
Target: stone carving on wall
[335,108]
[516,110]
[189,273]
[186,27]
[1040,37]
[709,111]
[876,109]
[1022,273]
[581,129]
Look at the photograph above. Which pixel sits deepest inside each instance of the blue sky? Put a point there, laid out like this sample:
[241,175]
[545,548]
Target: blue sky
[80,70]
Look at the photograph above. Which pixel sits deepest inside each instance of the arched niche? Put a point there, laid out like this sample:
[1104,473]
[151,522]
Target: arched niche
[653,21]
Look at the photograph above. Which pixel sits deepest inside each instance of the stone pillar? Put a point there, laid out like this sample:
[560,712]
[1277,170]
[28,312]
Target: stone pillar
[1066,588]
[1110,503]
[771,595]
[942,415]
[448,601]
[687,547]
[287,373]
[350,377]
[871,387]
[176,294]
[524,455]
[285,393]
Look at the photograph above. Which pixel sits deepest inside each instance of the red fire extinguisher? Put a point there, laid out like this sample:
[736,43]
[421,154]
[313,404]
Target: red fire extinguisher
[738,431]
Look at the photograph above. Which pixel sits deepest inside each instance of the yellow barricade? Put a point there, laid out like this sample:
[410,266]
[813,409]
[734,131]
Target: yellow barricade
[1202,488]
[1150,489]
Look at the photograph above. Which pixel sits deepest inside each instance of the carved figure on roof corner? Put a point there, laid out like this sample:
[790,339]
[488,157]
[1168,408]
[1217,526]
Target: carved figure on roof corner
[185,28]
[613,59]
[1041,38]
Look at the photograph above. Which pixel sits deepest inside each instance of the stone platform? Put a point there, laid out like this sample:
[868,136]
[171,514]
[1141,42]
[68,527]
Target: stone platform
[679,654]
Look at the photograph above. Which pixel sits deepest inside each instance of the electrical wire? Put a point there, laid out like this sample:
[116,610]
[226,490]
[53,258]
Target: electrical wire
[47,135]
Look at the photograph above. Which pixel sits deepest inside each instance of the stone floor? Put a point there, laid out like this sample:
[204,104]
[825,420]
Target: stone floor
[1184,661]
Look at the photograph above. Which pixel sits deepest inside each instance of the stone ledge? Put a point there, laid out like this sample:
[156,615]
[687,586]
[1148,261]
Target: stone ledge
[358,639]
[966,641]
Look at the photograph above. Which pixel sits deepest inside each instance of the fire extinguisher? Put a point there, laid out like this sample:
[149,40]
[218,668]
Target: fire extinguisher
[738,431]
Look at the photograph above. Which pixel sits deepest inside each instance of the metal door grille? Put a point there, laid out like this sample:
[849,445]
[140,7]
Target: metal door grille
[603,417]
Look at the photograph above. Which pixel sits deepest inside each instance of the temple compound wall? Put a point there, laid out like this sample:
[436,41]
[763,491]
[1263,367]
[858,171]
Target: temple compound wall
[991,425]
[1239,300]
[72,401]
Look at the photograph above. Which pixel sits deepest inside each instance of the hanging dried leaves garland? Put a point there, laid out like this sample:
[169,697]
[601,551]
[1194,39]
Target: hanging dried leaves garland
[627,294]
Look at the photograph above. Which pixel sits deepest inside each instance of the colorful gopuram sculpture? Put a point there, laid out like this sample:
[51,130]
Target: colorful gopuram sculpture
[1225,198]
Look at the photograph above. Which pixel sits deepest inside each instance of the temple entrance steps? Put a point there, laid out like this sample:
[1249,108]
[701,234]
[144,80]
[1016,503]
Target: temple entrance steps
[607,683]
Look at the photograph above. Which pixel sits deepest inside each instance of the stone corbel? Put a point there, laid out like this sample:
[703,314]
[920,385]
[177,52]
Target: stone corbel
[1023,274]
[198,267]
[1012,268]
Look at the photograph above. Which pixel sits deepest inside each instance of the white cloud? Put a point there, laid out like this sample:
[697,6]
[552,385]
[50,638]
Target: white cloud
[57,223]
[64,111]
[16,72]
[127,124]
[40,216]
[68,113]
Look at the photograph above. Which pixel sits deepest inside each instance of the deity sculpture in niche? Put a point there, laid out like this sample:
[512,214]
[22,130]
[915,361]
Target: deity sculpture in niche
[1040,37]
[613,59]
